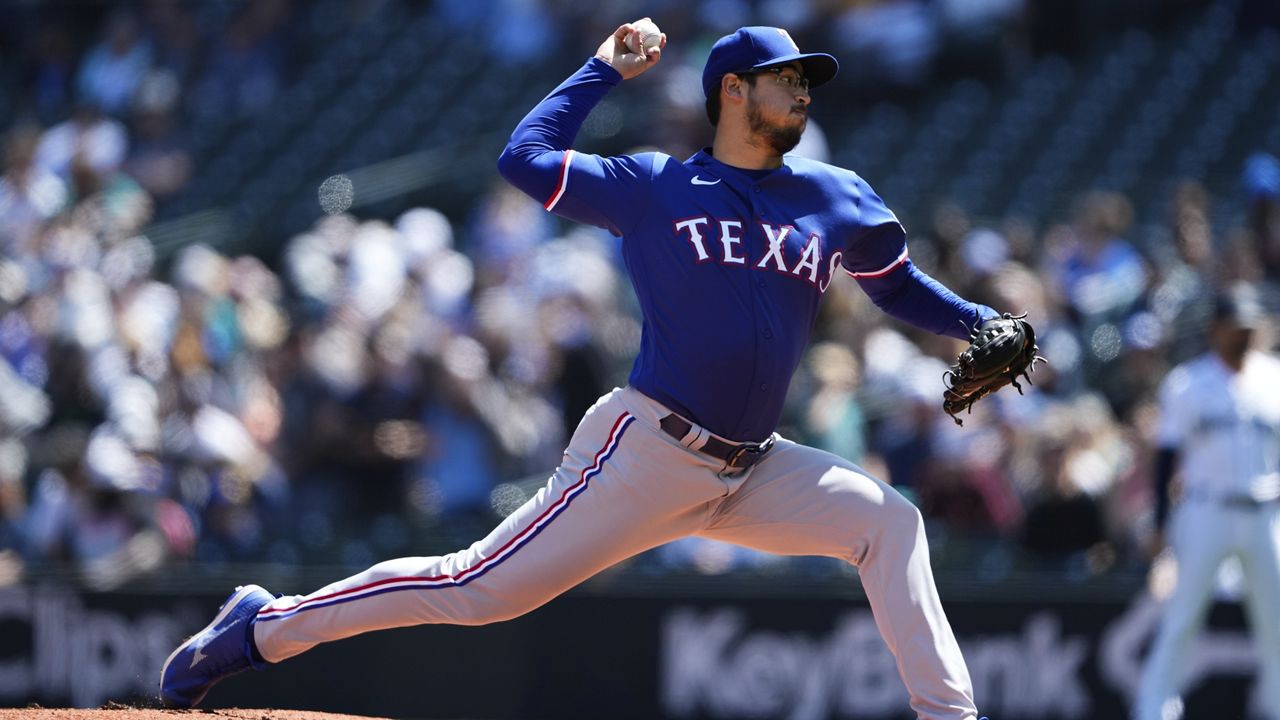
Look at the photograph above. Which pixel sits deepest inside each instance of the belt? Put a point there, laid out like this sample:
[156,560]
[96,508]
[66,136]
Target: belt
[1238,501]
[740,455]
[1245,502]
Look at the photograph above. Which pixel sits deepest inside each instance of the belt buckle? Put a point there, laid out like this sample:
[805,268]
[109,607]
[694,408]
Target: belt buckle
[748,454]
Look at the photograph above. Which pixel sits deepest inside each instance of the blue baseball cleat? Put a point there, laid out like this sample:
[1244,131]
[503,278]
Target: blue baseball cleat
[222,649]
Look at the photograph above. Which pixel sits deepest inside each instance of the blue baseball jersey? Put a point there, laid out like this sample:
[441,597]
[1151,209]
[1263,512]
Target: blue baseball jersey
[729,264]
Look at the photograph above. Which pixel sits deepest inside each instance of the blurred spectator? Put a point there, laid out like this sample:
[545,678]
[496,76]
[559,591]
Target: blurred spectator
[966,481]
[515,30]
[440,278]
[995,28]
[53,63]
[23,406]
[1131,383]
[246,66]
[576,289]
[113,69]
[94,515]
[98,141]
[30,195]
[457,469]
[1076,467]
[834,419]
[505,227]
[1016,286]
[158,159]
[107,201]
[13,507]
[1100,274]
[174,38]
[911,384]
[1184,283]
[1262,192]
[890,42]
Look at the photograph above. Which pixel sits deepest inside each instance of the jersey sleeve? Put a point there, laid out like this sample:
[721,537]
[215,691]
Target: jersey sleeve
[609,192]
[878,243]
[1174,424]
[876,256]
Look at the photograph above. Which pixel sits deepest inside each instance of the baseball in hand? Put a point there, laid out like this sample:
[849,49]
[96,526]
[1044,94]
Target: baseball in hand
[648,35]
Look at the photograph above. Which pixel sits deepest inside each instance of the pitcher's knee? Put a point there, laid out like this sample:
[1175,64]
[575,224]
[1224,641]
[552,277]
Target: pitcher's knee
[895,528]
[901,515]
[901,528]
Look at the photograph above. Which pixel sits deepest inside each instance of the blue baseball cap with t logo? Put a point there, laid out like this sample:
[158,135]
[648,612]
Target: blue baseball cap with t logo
[758,47]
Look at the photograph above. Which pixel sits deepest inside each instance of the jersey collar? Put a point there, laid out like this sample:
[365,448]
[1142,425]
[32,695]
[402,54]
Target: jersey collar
[704,159]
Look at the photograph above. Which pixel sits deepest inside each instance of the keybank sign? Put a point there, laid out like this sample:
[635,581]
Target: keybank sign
[714,664]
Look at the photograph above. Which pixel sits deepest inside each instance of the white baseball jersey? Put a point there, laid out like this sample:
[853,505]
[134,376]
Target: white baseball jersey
[1225,426]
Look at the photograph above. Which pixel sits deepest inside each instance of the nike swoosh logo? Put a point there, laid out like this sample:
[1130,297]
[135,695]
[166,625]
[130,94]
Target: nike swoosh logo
[197,657]
[699,181]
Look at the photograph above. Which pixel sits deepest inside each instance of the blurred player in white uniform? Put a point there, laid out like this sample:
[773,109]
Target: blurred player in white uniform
[1220,432]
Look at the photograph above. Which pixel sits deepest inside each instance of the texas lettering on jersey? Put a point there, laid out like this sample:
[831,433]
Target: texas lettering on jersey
[720,240]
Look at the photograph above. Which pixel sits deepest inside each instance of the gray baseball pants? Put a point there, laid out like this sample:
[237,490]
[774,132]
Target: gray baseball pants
[625,486]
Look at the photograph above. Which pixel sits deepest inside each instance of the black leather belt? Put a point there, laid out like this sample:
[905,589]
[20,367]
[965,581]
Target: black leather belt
[740,455]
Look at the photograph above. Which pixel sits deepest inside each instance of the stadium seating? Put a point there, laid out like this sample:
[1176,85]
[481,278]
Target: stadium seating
[1136,114]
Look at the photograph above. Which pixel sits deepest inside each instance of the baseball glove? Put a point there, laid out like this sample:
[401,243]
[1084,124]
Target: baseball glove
[1000,349]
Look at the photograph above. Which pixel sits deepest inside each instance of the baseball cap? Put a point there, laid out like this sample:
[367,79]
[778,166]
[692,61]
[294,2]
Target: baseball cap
[1240,305]
[756,47]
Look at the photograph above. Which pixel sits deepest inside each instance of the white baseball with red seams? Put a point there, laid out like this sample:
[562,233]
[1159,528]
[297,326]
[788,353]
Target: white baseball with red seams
[645,36]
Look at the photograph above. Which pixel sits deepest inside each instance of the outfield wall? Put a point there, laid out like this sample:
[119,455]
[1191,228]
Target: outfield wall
[700,655]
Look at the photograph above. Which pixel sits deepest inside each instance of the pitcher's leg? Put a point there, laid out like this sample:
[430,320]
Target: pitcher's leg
[1262,581]
[1198,554]
[803,501]
[602,505]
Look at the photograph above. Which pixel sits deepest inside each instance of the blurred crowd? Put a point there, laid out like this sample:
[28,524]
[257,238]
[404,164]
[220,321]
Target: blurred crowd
[218,410]
[381,386]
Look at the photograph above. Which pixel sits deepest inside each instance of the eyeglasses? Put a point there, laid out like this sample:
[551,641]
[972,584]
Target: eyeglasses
[786,77]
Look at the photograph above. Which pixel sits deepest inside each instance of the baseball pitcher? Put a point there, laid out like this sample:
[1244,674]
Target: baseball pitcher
[730,252]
